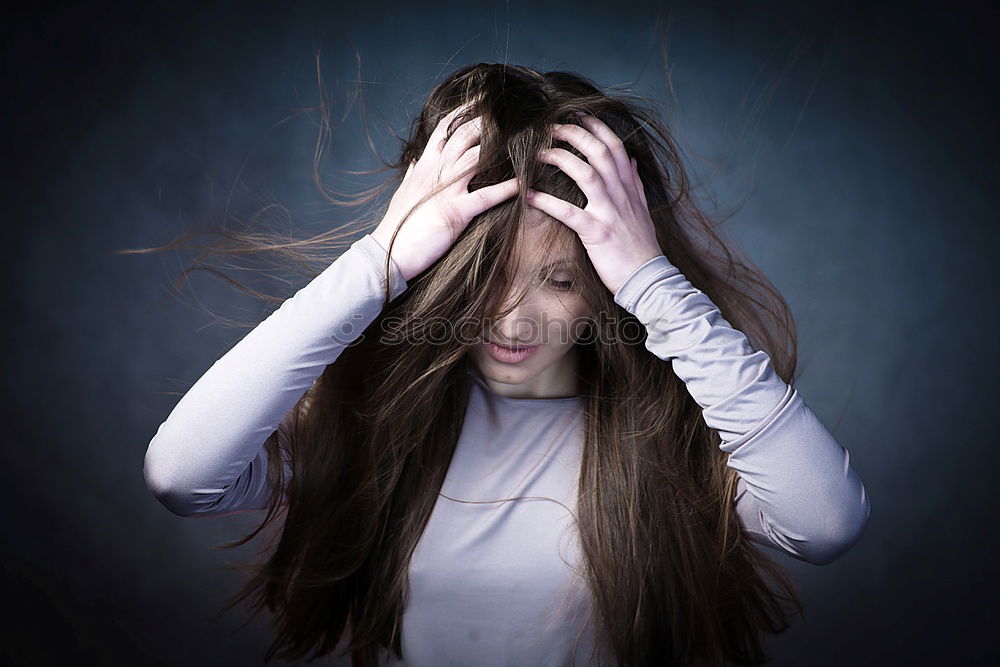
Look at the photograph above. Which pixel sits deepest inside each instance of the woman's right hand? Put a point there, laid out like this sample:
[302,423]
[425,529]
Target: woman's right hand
[435,226]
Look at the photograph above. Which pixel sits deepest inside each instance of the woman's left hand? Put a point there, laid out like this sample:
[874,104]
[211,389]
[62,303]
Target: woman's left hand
[615,227]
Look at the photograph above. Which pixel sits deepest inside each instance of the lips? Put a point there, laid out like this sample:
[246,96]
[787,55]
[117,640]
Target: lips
[510,355]
[513,348]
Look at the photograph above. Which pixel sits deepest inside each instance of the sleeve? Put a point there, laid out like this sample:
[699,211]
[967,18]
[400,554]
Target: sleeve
[797,491]
[208,457]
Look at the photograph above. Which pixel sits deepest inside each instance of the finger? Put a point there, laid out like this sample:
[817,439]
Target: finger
[466,136]
[638,183]
[607,136]
[586,176]
[474,203]
[606,154]
[469,159]
[633,180]
[572,216]
[408,170]
[439,135]
[630,181]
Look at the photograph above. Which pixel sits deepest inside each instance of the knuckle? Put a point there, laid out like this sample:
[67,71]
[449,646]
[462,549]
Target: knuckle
[602,233]
[470,156]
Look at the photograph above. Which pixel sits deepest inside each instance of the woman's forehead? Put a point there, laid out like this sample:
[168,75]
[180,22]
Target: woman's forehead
[531,244]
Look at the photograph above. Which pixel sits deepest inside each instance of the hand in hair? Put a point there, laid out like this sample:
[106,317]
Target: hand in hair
[435,187]
[615,227]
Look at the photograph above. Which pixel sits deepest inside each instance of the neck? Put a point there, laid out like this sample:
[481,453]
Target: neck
[557,381]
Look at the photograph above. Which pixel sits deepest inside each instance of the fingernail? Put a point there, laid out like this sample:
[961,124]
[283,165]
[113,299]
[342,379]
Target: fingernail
[530,193]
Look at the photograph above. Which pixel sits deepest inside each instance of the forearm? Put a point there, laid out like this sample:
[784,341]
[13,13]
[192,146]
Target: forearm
[735,386]
[806,498]
[220,425]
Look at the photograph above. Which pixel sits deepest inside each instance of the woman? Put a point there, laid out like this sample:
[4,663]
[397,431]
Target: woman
[539,415]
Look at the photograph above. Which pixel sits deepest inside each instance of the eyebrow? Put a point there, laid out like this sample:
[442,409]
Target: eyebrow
[558,262]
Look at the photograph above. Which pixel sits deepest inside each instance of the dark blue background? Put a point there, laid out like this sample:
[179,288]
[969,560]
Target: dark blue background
[856,142]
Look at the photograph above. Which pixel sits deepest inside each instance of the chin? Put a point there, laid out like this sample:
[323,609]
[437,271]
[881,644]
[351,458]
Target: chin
[509,373]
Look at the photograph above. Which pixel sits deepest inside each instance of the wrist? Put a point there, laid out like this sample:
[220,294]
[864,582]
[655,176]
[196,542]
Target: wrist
[384,242]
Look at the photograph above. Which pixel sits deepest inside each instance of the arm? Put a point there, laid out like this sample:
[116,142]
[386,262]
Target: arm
[797,491]
[207,458]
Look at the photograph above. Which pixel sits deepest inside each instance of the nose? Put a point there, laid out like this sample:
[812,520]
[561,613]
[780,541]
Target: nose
[518,327]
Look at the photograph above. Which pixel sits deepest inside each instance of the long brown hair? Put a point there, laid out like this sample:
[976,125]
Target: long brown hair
[673,577]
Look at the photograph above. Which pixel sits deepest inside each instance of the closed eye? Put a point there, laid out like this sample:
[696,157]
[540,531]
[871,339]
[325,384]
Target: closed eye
[561,285]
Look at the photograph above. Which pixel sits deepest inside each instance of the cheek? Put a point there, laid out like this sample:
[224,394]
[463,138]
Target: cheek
[565,320]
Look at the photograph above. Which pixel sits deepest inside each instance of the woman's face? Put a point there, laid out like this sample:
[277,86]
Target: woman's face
[543,320]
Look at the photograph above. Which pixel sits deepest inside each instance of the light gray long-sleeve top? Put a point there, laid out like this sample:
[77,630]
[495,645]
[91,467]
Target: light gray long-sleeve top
[492,582]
